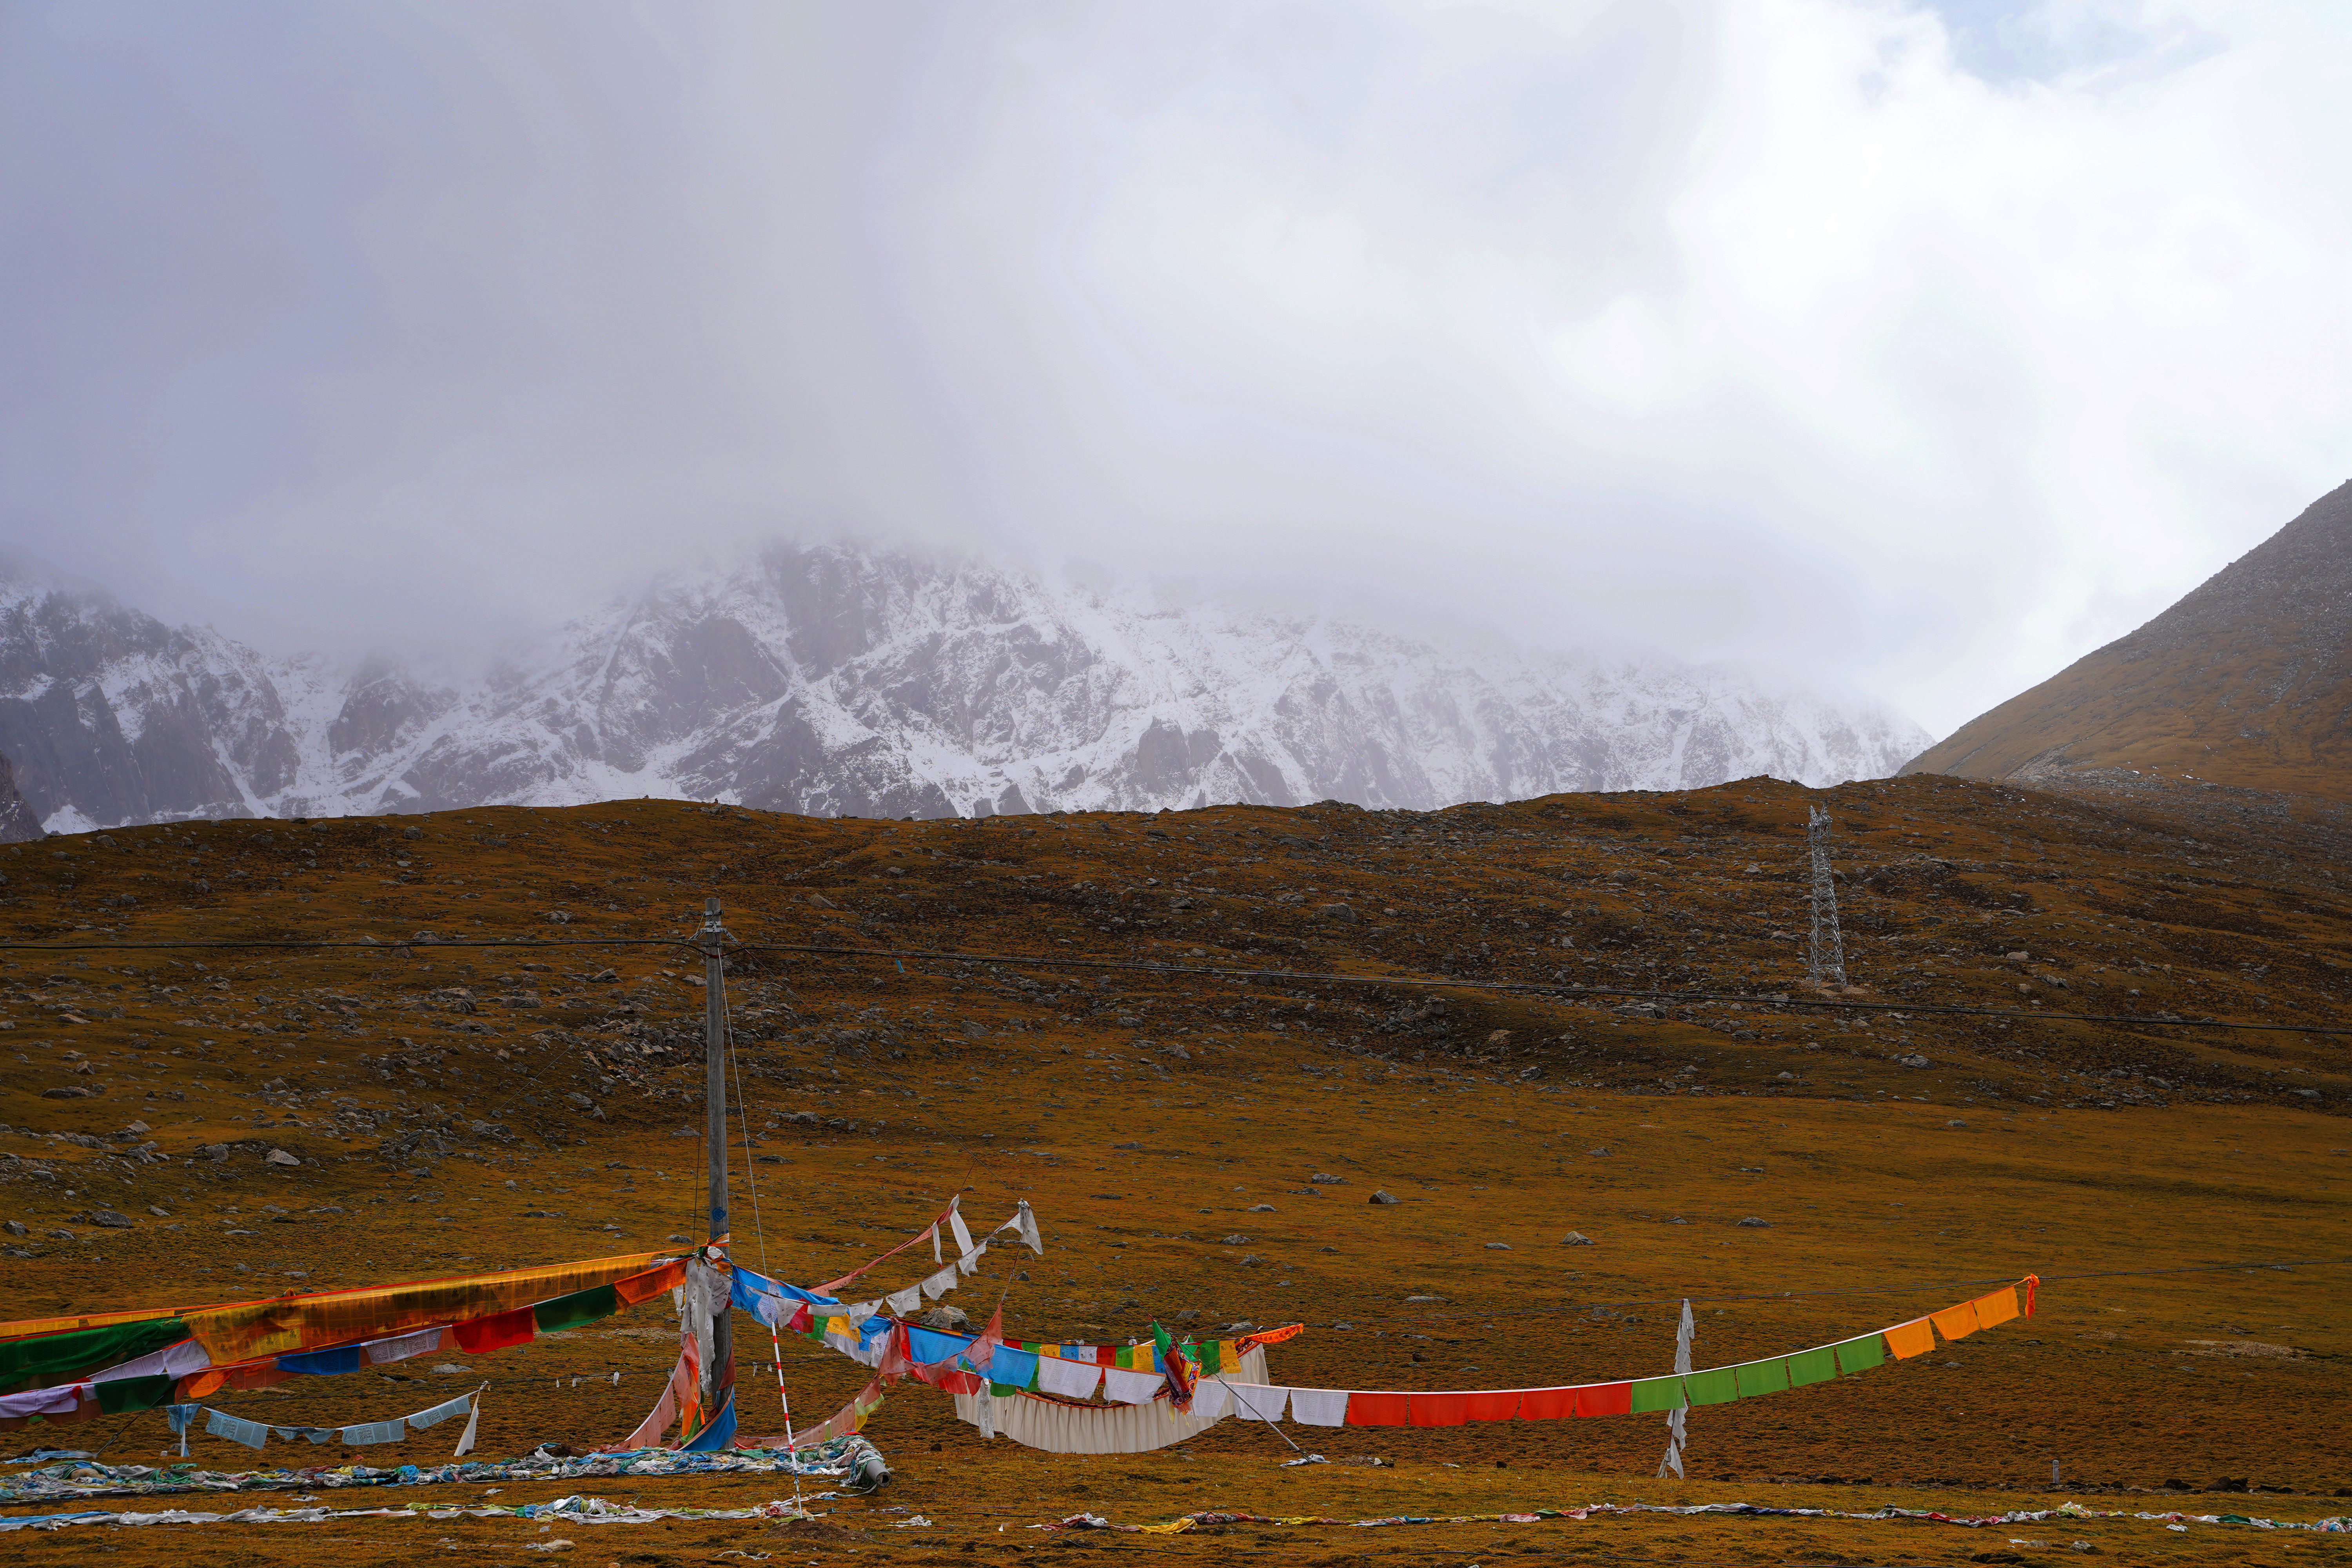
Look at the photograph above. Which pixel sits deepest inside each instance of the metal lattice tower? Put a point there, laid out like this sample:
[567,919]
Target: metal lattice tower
[1827,966]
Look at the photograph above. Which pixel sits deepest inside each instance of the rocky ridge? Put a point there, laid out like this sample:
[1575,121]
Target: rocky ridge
[837,680]
[2246,681]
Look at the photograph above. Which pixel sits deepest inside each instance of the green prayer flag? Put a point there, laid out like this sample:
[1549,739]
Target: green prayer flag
[58,1358]
[1860,1355]
[580,1307]
[134,1393]
[1209,1358]
[1807,1367]
[1714,1386]
[1658,1394]
[1757,1377]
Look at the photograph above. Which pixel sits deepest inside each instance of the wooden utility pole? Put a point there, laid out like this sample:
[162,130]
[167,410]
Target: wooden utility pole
[718,1373]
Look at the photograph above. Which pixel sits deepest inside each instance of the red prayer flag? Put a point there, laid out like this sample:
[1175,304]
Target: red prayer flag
[1438,1409]
[1605,1399]
[983,1351]
[479,1336]
[1378,1410]
[1492,1404]
[1547,1404]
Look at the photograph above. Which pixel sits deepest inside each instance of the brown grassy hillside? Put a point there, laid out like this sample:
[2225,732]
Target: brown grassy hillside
[456,1108]
[2247,681]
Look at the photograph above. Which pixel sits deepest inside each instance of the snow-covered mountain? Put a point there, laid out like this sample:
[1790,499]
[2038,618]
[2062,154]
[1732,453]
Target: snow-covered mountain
[836,679]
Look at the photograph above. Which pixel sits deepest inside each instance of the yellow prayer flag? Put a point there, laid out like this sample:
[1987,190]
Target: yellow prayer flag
[1913,1338]
[1998,1308]
[1956,1323]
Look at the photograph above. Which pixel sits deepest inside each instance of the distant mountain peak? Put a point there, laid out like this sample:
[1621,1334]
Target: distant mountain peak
[837,680]
[2246,681]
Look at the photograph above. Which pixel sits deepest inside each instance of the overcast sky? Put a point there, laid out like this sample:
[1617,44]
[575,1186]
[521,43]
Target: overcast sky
[1913,347]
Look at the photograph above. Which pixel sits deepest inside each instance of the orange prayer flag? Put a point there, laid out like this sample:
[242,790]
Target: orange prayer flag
[1913,1338]
[251,1330]
[1998,1308]
[1956,1323]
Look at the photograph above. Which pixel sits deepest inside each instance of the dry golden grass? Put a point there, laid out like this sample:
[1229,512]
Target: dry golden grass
[2098,1155]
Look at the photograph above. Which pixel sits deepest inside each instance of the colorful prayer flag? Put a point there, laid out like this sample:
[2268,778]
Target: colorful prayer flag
[1912,1339]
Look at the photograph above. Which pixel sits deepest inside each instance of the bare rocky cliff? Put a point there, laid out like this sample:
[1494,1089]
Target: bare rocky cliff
[17,823]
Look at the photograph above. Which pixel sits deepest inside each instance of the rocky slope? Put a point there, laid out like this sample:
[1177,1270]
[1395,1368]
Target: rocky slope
[2247,680]
[837,680]
[18,822]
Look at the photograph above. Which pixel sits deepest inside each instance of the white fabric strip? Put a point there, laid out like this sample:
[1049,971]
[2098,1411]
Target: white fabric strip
[1069,1379]
[1319,1406]
[904,1303]
[174,1361]
[955,1219]
[383,1353]
[1073,1429]
[938,1285]
[1125,1387]
[1210,1399]
[1259,1401]
[441,1412]
[60,1401]
[666,1408]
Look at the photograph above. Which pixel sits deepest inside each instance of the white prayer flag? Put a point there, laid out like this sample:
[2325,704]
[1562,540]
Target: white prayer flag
[1125,1387]
[1258,1401]
[1069,1379]
[383,1353]
[1319,1406]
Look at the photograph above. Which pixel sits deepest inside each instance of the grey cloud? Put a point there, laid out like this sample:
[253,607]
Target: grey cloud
[1766,336]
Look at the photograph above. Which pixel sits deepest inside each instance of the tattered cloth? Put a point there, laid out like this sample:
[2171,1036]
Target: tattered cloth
[848,1460]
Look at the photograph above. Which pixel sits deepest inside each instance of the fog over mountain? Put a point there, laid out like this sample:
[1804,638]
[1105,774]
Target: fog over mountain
[1917,346]
[844,680]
